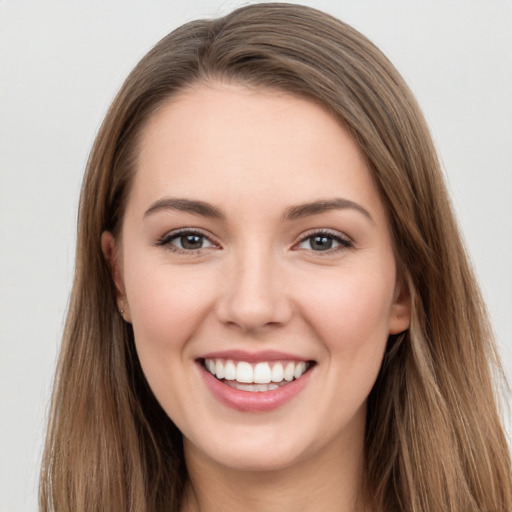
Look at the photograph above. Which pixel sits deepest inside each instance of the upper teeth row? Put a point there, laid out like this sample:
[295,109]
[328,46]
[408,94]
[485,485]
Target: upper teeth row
[261,373]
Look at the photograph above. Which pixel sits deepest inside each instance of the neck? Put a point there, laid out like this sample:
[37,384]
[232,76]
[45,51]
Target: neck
[331,482]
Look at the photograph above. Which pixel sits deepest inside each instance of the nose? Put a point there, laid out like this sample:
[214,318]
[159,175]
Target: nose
[253,294]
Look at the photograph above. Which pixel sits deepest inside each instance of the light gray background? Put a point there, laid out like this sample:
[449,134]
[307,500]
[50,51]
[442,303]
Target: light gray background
[61,64]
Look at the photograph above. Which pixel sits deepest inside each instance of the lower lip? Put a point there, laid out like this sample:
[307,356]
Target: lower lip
[257,401]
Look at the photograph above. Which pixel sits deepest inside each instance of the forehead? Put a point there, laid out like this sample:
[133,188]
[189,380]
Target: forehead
[221,142]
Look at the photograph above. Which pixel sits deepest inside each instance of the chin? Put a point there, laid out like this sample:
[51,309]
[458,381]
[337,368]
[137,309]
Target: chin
[257,451]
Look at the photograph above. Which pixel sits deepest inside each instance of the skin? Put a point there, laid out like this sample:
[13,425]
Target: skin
[258,283]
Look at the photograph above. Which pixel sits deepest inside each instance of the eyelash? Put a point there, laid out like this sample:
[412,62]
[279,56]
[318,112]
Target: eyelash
[166,241]
[344,242]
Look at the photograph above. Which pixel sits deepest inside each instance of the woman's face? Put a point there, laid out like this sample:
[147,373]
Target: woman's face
[256,266]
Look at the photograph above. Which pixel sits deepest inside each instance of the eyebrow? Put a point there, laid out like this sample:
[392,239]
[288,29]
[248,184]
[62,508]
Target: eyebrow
[185,205]
[291,213]
[321,206]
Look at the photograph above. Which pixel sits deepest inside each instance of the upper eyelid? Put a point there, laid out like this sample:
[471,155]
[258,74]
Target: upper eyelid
[324,231]
[175,233]
[180,231]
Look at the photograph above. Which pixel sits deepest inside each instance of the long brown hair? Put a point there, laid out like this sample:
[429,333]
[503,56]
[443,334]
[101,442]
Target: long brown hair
[434,440]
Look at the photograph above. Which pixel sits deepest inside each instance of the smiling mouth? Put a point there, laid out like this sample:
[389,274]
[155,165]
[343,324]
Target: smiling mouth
[258,377]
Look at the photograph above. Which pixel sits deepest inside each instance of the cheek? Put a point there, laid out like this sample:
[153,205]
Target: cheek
[167,309]
[167,306]
[351,314]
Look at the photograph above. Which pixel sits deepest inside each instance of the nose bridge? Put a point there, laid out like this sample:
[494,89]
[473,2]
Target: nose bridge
[253,294]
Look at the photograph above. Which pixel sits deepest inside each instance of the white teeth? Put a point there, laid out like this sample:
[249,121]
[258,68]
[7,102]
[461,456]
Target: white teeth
[230,371]
[262,373]
[219,369]
[244,387]
[277,372]
[261,377]
[244,372]
[289,371]
[252,387]
[299,369]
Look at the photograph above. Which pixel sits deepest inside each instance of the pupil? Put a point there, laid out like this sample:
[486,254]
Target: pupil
[321,243]
[191,241]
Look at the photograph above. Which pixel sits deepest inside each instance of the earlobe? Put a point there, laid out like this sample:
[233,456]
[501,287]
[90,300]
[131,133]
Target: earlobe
[110,251]
[400,316]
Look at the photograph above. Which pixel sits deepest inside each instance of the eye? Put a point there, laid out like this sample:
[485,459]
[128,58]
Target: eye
[186,241]
[324,241]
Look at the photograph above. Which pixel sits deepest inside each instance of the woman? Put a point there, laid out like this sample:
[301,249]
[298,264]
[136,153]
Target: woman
[272,307]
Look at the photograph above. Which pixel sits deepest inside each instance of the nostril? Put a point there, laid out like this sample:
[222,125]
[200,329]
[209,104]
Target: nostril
[251,314]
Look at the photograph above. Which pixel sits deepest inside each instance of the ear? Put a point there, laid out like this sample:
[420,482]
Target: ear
[111,252]
[400,316]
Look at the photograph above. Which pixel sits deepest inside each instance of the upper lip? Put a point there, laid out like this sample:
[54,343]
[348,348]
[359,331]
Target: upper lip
[253,357]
